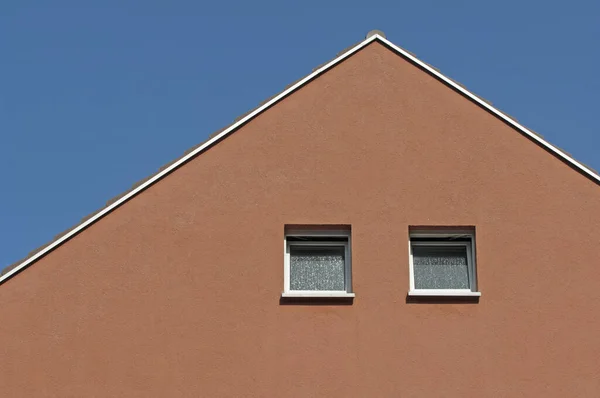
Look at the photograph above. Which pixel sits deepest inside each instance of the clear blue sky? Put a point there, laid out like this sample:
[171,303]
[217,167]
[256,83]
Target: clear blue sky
[95,95]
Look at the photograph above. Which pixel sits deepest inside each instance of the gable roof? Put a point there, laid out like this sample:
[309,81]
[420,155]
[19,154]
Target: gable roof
[241,120]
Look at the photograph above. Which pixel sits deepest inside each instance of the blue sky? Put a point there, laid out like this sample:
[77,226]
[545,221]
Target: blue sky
[96,95]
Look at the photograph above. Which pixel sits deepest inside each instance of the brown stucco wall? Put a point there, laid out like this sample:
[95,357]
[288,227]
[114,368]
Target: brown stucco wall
[176,293]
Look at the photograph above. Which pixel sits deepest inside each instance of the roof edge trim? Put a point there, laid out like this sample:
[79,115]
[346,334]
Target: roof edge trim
[272,102]
[535,137]
[186,158]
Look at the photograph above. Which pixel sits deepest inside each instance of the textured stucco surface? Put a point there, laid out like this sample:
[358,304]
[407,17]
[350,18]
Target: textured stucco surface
[176,293]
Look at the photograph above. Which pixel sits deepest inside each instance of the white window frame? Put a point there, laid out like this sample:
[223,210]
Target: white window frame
[322,234]
[471,266]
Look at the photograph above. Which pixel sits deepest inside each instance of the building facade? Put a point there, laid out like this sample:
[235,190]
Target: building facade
[373,232]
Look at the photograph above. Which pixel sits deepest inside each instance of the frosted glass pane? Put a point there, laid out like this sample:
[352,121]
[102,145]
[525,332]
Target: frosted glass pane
[317,268]
[440,267]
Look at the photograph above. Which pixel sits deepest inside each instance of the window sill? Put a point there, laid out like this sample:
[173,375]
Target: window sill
[317,294]
[444,293]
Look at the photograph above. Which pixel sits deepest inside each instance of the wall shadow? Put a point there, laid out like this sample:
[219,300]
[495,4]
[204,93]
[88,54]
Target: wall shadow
[441,300]
[316,301]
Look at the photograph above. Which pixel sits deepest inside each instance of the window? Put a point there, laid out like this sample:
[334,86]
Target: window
[317,262]
[442,263]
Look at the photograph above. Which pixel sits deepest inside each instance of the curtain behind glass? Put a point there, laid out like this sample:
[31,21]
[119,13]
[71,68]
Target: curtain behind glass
[440,267]
[317,267]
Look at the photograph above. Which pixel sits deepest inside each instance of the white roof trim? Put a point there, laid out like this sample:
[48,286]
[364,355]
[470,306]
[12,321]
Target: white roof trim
[495,111]
[272,102]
